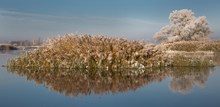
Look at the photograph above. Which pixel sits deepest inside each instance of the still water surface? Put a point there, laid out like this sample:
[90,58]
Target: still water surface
[177,87]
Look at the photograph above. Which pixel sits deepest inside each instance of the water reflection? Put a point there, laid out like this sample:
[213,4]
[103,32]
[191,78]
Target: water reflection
[84,82]
[217,58]
[11,52]
[183,80]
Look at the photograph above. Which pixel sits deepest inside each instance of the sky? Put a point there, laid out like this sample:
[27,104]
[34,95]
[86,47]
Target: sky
[132,19]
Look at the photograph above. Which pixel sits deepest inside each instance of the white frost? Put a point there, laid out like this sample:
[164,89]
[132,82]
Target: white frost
[184,26]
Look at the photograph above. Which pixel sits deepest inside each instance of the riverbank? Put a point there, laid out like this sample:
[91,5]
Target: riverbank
[7,47]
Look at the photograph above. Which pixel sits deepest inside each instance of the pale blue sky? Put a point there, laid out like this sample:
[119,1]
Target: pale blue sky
[133,19]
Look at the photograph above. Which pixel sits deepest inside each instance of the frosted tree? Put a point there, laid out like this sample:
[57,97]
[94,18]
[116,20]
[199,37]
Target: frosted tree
[184,26]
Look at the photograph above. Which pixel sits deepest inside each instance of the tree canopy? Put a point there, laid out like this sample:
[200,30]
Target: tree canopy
[184,26]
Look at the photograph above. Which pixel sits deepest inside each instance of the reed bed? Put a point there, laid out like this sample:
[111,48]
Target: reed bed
[99,52]
[192,46]
[193,59]
[88,52]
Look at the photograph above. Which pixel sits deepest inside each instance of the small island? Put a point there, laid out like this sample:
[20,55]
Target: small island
[7,47]
[184,42]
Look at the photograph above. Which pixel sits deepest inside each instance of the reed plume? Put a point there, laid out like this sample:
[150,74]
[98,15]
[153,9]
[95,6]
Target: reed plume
[87,51]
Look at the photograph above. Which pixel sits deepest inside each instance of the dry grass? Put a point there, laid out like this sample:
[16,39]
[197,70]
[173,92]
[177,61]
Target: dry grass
[99,52]
[194,59]
[86,51]
[192,46]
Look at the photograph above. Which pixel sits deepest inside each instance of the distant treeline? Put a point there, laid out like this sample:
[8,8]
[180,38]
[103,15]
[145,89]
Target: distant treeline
[15,45]
[36,42]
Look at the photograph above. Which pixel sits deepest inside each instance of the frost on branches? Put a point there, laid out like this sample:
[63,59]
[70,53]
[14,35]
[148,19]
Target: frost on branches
[184,26]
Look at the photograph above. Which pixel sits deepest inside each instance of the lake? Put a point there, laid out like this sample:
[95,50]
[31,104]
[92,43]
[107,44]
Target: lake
[168,87]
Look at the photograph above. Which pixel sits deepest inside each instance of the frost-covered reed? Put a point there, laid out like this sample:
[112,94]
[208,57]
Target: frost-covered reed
[99,52]
[190,46]
[193,59]
[90,51]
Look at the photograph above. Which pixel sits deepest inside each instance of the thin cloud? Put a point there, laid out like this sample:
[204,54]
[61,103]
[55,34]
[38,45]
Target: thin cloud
[17,15]
[16,24]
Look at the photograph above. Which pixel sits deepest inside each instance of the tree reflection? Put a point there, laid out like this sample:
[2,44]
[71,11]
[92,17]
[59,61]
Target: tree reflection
[85,82]
[183,80]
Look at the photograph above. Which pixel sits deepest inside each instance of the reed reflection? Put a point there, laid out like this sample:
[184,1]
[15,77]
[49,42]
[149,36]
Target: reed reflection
[85,82]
